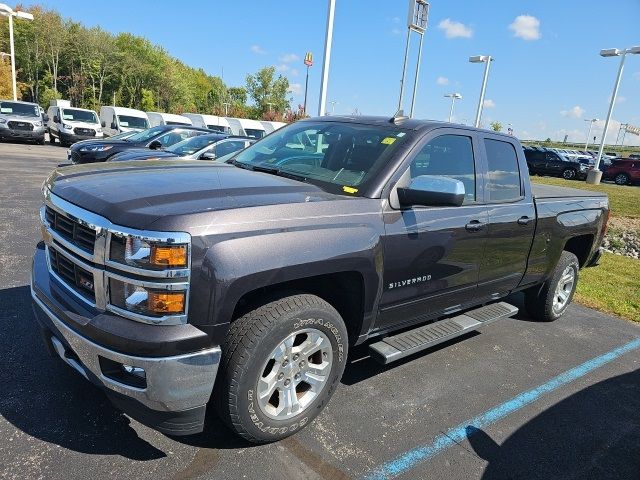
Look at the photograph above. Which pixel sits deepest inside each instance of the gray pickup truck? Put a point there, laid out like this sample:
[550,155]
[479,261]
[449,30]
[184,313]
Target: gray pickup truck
[241,285]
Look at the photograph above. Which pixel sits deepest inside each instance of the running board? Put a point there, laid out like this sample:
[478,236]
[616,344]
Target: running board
[407,343]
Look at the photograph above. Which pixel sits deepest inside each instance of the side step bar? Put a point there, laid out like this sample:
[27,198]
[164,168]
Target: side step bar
[407,343]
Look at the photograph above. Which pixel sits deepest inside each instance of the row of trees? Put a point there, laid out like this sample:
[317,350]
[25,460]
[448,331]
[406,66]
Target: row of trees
[60,58]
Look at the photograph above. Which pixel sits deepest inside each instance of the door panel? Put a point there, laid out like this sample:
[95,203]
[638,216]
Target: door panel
[512,220]
[431,261]
[432,254]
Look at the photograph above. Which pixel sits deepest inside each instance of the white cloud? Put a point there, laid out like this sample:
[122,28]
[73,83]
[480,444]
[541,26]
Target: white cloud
[574,112]
[442,81]
[396,31]
[257,49]
[289,57]
[526,27]
[488,103]
[294,72]
[282,68]
[295,88]
[454,29]
[620,99]
[395,21]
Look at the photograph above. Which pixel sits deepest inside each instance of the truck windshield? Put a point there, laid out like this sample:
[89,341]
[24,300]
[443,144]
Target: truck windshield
[19,109]
[128,121]
[254,132]
[338,157]
[74,115]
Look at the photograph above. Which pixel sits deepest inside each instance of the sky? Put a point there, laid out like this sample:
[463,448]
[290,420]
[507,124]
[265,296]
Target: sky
[546,80]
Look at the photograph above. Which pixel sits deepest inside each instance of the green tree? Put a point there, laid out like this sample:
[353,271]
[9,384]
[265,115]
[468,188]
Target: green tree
[147,102]
[6,88]
[496,126]
[267,91]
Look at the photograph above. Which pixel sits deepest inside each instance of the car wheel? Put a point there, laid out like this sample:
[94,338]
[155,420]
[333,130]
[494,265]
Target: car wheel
[548,302]
[621,179]
[41,141]
[52,139]
[280,365]
[568,174]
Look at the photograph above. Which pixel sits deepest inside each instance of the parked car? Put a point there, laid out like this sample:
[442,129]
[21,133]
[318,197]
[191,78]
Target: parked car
[69,125]
[246,127]
[155,138]
[116,120]
[623,171]
[161,118]
[209,146]
[635,155]
[212,122]
[550,162]
[241,286]
[21,121]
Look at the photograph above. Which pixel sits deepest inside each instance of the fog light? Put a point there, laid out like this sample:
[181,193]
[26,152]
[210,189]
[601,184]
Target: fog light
[136,371]
[166,302]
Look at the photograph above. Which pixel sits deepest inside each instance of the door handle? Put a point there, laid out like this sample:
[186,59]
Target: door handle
[524,220]
[474,226]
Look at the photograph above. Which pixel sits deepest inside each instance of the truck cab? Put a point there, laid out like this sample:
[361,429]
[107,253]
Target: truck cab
[21,121]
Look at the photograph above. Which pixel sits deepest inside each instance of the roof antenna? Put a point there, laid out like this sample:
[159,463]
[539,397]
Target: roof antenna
[399,115]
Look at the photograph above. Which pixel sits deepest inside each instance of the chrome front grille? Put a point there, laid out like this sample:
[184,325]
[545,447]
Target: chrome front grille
[77,246]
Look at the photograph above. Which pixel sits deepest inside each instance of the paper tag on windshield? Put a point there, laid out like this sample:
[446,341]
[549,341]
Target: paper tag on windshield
[388,140]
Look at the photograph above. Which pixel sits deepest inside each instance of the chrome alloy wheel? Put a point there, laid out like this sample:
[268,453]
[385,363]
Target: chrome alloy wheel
[564,289]
[294,374]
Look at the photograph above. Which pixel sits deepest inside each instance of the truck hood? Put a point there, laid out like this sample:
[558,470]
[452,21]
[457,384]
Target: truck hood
[135,194]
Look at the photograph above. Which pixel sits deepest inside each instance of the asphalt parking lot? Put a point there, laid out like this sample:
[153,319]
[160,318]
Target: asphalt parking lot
[518,400]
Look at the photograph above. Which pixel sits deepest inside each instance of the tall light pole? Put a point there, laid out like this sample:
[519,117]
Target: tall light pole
[7,11]
[453,97]
[333,106]
[486,59]
[327,57]
[594,176]
[417,22]
[226,106]
[308,61]
[591,122]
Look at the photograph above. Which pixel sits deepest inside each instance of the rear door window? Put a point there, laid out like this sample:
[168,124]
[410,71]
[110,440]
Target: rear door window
[503,181]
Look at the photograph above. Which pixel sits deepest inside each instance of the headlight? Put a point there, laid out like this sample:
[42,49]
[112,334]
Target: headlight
[3,120]
[99,130]
[37,124]
[148,254]
[150,302]
[96,148]
[66,126]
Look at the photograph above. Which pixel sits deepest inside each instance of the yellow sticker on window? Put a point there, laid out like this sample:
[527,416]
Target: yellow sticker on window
[388,140]
[350,189]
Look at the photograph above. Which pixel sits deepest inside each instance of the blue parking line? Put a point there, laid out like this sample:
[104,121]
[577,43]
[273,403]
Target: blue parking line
[413,457]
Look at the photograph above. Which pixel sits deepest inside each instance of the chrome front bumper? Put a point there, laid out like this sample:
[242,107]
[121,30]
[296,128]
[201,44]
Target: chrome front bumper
[175,383]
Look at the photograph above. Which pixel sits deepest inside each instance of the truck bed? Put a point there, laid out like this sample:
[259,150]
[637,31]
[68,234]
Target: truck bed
[541,192]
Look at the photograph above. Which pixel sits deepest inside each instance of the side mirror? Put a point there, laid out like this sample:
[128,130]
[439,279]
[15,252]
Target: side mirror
[155,145]
[114,126]
[103,124]
[208,156]
[56,119]
[45,118]
[432,190]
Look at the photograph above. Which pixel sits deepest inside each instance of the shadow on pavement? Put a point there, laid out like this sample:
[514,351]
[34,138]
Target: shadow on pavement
[594,433]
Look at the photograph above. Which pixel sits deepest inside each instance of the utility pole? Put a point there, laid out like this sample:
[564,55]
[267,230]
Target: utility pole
[327,57]
[308,61]
[417,22]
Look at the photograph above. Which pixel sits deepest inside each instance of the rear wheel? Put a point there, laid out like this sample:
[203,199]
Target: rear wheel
[548,302]
[52,139]
[569,174]
[621,179]
[280,366]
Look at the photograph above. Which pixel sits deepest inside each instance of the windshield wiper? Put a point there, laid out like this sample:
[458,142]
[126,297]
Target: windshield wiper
[279,172]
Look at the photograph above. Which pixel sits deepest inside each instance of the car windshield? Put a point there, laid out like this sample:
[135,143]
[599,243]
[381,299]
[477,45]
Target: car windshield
[338,157]
[147,134]
[217,128]
[254,133]
[19,109]
[74,115]
[192,145]
[128,121]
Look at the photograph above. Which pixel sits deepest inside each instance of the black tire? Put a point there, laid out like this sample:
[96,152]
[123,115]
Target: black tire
[539,300]
[621,179]
[249,345]
[52,139]
[569,174]
[41,141]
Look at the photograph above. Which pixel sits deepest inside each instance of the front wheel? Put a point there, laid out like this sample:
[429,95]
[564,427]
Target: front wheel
[548,302]
[280,365]
[569,174]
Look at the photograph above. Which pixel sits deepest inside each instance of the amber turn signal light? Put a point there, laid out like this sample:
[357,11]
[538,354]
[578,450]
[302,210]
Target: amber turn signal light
[166,302]
[169,256]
